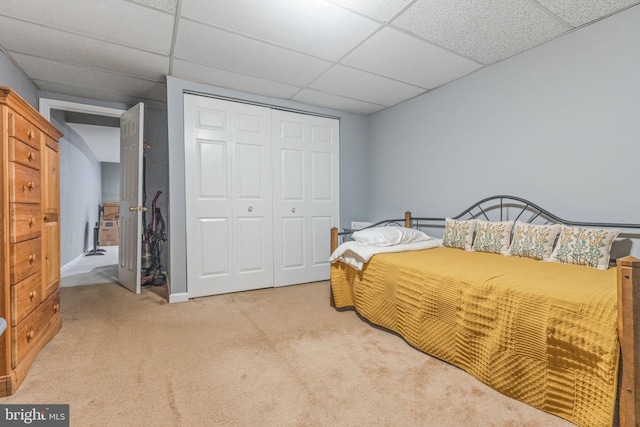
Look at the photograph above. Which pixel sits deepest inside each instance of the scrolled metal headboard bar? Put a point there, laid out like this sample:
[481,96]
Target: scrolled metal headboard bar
[526,205]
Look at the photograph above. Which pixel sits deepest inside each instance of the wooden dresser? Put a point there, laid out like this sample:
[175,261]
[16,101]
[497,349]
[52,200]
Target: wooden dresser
[30,229]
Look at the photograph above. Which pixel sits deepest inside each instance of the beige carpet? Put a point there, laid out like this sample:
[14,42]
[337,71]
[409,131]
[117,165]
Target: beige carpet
[274,357]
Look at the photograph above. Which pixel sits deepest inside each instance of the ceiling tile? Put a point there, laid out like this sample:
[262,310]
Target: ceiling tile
[313,27]
[488,31]
[73,75]
[166,5]
[322,99]
[71,48]
[363,86]
[230,80]
[119,21]
[397,55]
[380,10]
[579,12]
[232,52]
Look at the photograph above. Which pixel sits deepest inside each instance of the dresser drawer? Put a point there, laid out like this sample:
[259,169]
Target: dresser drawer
[25,222]
[22,129]
[25,259]
[24,154]
[25,297]
[29,333]
[24,184]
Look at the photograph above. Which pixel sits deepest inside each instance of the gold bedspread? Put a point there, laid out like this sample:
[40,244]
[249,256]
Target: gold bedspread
[540,332]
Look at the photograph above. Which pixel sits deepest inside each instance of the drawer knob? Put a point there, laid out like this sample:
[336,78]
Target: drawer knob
[32,258]
[30,335]
[28,186]
[32,295]
[30,156]
[31,134]
[56,307]
[30,221]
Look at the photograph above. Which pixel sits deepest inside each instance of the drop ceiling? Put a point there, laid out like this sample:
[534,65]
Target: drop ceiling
[360,56]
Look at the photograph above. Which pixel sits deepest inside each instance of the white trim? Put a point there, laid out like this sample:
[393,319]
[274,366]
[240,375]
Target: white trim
[47,104]
[178,297]
[71,263]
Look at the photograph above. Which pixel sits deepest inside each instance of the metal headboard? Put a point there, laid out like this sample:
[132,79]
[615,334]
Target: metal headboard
[505,208]
[500,208]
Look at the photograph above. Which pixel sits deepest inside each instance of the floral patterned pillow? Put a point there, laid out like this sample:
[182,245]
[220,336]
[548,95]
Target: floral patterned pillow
[533,240]
[458,234]
[492,236]
[584,246]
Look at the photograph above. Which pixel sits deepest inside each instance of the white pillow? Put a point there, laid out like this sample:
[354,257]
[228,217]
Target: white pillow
[389,236]
[458,234]
[584,246]
[492,236]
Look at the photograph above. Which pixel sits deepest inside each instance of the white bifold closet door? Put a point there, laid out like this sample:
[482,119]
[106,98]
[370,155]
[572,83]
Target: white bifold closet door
[228,196]
[306,202]
[261,195]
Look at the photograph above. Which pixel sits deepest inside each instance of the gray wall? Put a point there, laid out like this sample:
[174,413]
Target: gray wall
[558,125]
[80,192]
[353,162]
[157,160]
[79,171]
[13,77]
[110,174]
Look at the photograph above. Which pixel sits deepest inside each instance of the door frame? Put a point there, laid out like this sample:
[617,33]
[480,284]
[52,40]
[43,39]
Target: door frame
[45,105]
[48,104]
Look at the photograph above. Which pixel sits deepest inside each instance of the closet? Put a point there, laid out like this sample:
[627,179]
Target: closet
[262,193]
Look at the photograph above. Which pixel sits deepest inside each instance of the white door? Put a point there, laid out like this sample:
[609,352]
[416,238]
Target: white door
[306,195]
[130,233]
[228,196]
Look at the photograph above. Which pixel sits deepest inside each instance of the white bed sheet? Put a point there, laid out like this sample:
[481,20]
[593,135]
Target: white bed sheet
[357,254]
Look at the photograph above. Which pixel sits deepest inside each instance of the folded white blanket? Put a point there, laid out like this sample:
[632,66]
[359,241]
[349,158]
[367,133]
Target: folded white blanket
[357,255]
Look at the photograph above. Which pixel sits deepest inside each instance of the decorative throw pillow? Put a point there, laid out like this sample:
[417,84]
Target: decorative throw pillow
[533,240]
[492,236]
[458,234]
[389,236]
[584,246]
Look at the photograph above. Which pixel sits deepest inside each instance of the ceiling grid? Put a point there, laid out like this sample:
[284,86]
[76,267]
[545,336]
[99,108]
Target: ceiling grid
[360,56]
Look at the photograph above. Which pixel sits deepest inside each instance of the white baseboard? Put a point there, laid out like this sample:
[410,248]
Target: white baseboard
[178,297]
[71,263]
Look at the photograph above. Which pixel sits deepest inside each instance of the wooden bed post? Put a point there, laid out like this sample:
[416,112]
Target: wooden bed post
[629,336]
[407,219]
[334,239]
[334,246]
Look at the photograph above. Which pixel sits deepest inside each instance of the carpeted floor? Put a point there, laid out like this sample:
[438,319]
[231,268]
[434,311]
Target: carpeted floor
[273,357]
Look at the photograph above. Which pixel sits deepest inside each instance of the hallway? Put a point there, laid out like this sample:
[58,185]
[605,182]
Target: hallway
[92,270]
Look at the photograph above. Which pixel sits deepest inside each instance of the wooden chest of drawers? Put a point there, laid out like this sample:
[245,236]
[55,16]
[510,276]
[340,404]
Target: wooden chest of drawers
[30,229]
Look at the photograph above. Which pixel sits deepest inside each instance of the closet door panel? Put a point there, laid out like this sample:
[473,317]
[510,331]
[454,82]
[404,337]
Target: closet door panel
[212,169]
[306,193]
[321,246]
[250,255]
[293,248]
[228,196]
[213,239]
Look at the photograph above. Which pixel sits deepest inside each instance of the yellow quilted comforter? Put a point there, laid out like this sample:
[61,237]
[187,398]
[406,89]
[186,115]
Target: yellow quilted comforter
[540,332]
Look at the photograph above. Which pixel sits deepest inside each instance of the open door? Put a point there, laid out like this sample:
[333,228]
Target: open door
[131,152]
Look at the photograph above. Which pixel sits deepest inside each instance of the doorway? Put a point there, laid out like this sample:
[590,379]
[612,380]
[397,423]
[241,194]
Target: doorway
[82,195]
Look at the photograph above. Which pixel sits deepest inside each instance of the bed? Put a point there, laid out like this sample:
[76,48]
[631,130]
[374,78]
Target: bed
[512,295]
